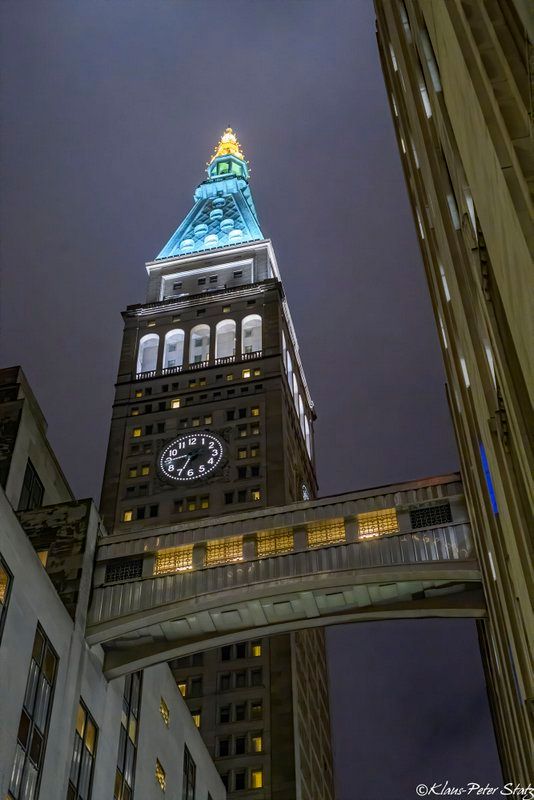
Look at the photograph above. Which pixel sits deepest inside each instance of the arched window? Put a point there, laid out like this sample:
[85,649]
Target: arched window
[147,356]
[173,353]
[225,339]
[199,344]
[301,414]
[251,334]
[284,351]
[308,437]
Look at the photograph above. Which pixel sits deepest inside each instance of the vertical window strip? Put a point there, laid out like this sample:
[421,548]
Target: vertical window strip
[430,59]
[223,551]
[190,775]
[377,523]
[126,759]
[330,531]
[34,719]
[176,559]
[271,543]
[83,756]
[445,284]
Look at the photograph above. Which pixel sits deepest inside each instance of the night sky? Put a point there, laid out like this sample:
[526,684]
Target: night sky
[111,109]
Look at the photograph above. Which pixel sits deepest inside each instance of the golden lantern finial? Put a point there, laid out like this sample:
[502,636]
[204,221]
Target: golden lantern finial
[228,146]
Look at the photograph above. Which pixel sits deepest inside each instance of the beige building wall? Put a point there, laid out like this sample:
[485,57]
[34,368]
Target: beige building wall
[459,80]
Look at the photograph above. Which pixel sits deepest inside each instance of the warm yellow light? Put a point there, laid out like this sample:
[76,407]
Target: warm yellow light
[270,543]
[228,146]
[257,744]
[255,411]
[176,559]
[136,433]
[132,472]
[160,775]
[326,532]
[182,688]
[255,649]
[127,516]
[221,551]
[256,494]
[135,412]
[164,711]
[175,403]
[139,393]
[151,324]
[196,718]
[376,523]
[246,373]
[204,502]
[43,556]
[145,470]
[256,779]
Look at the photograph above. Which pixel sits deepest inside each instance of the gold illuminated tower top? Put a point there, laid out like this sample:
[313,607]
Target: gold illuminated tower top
[228,146]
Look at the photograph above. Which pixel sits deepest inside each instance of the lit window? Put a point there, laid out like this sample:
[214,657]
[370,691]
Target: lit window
[226,309]
[255,649]
[255,411]
[192,505]
[255,429]
[196,717]
[242,452]
[42,556]
[204,502]
[136,433]
[160,775]
[145,469]
[135,412]
[83,757]
[431,61]
[255,495]
[164,711]
[254,451]
[270,543]
[182,688]
[329,531]
[257,743]
[127,516]
[444,282]
[139,393]
[251,334]
[195,422]
[208,419]
[257,373]
[177,559]
[256,710]
[175,403]
[246,373]
[230,376]
[132,472]
[465,373]
[256,779]
[222,551]
[376,523]
[6,580]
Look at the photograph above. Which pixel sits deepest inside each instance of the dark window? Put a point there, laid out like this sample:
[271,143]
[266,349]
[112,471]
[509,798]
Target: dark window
[201,312]
[190,774]
[431,515]
[149,429]
[240,712]
[241,473]
[161,406]
[224,747]
[154,511]
[131,703]
[242,413]
[176,286]
[213,278]
[226,653]
[224,681]
[256,710]
[241,650]
[228,498]
[161,427]
[224,714]
[197,659]
[165,387]
[196,687]
[255,470]
[251,302]
[226,780]
[201,281]
[230,414]
[83,756]
[239,780]
[34,719]
[140,512]
[148,409]
[123,569]
[256,677]
[240,679]
[240,742]
[238,274]
[242,496]
[6,581]
[32,492]
[148,390]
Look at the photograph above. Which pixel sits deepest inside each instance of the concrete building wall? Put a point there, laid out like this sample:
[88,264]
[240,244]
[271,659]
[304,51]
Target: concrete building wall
[459,79]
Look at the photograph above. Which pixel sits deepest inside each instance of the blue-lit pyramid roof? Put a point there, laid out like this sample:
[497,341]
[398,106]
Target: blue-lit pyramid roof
[224,213]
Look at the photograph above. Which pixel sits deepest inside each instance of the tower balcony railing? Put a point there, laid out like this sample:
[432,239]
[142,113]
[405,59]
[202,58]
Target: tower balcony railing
[217,362]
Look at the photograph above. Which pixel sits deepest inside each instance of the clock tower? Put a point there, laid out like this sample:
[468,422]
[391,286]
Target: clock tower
[212,416]
[210,361]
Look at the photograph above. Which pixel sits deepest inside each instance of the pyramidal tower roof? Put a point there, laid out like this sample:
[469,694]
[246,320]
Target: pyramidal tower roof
[224,213]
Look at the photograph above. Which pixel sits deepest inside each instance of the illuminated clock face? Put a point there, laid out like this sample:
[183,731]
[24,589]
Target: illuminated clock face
[191,457]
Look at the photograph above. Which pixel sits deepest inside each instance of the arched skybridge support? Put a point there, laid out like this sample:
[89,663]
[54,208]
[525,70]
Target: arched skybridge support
[164,594]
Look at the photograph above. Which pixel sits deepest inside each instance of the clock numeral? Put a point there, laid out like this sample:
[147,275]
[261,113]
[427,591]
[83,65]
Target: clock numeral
[214,453]
[179,471]
[210,460]
[190,472]
[174,452]
[202,468]
[171,467]
[192,440]
[181,445]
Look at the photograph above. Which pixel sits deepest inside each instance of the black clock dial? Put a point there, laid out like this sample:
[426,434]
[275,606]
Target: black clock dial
[191,457]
